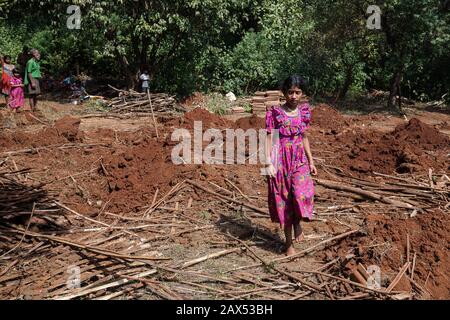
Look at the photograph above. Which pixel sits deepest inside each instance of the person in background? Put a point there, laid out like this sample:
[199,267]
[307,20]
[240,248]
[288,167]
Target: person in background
[33,77]
[16,100]
[7,68]
[22,59]
[145,78]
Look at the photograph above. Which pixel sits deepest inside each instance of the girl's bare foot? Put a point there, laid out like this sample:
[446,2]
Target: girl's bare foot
[298,233]
[290,251]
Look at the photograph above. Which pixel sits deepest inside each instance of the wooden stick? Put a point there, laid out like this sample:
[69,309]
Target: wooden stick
[239,190]
[219,187]
[117,294]
[271,266]
[153,113]
[24,233]
[157,288]
[430,178]
[249,278]
[154,198]
[37,119]
[113,284]
[364,193]
[303,252]
[178,233]
[265,212]
[413,266]
[347,281]
[209,256]
[93,220]
[408,252]
[398,277]
[393,177]
[358,296]
[90,248]
[175,189]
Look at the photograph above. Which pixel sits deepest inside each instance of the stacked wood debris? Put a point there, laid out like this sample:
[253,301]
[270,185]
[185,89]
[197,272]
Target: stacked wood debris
[18,197]
[263,100]
[136,102]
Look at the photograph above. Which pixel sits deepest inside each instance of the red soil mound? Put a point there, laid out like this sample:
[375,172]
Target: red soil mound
[411,147]
[418,133]
[64,131]
[253,122]
[68,128]
[385,245]
[327,118]
[209,120]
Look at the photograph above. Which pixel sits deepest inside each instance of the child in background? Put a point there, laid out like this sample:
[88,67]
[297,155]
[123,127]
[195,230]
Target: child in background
[145,78]
[7,68]
[16,98]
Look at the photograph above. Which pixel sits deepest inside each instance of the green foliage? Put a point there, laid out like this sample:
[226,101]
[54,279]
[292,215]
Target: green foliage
[251,65]
[95,105]
[216,103]
[11,39]
[240,45]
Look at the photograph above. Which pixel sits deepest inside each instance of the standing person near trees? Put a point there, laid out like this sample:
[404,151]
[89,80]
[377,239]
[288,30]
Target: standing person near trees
[291,188]
[16,100]
[22,59]
[145,78]
[33,77]
[7,73]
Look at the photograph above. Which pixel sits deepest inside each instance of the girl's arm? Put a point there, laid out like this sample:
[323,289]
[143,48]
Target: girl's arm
[268,147]
[309,154]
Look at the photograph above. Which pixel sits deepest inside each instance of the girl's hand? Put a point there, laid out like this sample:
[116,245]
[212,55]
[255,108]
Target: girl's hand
[271,171]
[313,169]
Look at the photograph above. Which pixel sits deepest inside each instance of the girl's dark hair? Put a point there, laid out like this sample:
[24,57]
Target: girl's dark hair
[294,81]
[16,71]
[6,57]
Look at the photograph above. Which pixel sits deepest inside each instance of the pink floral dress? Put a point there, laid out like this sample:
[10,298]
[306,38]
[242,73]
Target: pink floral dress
[16,99]
[291,192]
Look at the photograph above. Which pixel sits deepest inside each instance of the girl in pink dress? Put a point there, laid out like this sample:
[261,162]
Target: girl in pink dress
[7,68]
[291,189]
[16,98]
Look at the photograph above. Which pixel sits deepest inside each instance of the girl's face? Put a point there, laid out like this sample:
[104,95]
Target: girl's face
[293,96]
[7,60]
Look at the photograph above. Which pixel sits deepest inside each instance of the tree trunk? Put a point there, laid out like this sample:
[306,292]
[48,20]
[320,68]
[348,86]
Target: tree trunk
[129,76]
[346,86]
[394,88]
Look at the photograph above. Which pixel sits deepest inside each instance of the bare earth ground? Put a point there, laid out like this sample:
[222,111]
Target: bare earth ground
[139,227]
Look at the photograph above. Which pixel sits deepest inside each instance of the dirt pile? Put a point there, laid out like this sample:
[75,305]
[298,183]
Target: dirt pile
[142,165]
[385,245]
[252,122]
[64,131]
[327,118]
[411,147]
[68,127]
[11,120]
[208,120]
[418,133]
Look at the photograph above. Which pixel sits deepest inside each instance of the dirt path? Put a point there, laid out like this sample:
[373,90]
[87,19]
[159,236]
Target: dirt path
[130,199]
